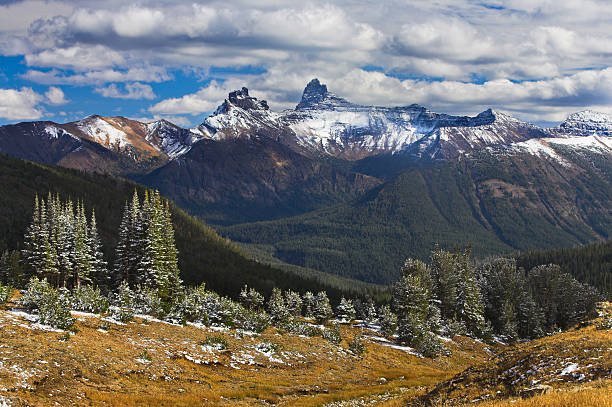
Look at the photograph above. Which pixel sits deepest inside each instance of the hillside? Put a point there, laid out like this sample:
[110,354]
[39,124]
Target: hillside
[498,201]
[247,179]
[149,362]
[578,361]
[203,255]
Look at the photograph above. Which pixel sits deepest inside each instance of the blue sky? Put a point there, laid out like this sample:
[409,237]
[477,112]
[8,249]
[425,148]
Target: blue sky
[538,60]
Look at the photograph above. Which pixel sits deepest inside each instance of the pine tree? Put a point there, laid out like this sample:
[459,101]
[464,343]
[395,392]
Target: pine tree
[470,305]
[345,310]
[81,258]
[309,304]
[63,237]
[387,320]
[122,265]
[322,310]
[251,299]
[99,270]
[370,311]
[276,307]
[293,302]
[444,275]
[34,241]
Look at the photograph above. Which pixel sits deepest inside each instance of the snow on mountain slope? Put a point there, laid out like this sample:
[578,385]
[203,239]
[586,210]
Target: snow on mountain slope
[171,139]
[545,147]
[103,132]
[323,123]
[241,115]
[586,122]
[56,132]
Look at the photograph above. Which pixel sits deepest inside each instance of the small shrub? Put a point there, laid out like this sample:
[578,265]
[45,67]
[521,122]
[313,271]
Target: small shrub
[269,347]
[35,291]
[303,328]
[216,341]
[332,334]
[145,355]
[54,309]
[455,328]
[148,302]
[124,300]
[89,299]
[356,345]
[432,346]
[251,299]
[5,293]
[105,326]
[251,320]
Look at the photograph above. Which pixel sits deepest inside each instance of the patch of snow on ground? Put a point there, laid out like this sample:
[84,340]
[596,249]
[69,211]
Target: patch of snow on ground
[572,367]
[5,402]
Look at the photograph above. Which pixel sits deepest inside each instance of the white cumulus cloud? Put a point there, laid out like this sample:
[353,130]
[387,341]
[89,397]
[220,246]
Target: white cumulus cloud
[132,91]
[20,104]
[55,96]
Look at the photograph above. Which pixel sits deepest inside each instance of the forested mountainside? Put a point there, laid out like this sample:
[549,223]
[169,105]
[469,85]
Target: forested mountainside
[589,263]
[203,255]
[249,179]
[498,201]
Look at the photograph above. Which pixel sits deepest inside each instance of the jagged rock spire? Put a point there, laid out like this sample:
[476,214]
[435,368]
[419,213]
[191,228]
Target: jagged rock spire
[241,98]
[314,92]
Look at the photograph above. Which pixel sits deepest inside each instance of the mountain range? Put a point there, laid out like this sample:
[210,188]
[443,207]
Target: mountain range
[352,189]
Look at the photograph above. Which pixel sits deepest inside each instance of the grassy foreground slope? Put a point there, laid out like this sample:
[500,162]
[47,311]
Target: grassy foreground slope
[150,363]
[204,256]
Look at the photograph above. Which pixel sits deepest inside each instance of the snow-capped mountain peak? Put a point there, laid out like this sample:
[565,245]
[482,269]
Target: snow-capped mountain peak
[316,96]
[589,122]
[170,138]
[240,98]
[103,132]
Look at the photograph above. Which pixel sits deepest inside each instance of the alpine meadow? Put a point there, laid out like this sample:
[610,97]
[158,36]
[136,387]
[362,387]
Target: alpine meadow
[230,203]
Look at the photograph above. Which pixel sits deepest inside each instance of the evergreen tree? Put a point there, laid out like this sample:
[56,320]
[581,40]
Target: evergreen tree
[370,311]
[158,265]
[293,302]
[345,310]
[251,299]
[444,275]
[35,241]
[470,305]
[81,258]
[322,310]
[309,301]
[387,320]
[276,307]
[99,269]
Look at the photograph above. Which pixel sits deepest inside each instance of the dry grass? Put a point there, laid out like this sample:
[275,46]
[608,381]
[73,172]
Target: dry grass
[575,358]
[593,395]
[97,367]
[149,363]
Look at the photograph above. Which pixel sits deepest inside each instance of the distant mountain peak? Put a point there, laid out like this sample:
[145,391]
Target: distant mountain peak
[588,121]
[240,98]
[316,94]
